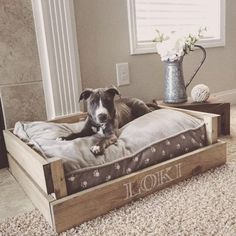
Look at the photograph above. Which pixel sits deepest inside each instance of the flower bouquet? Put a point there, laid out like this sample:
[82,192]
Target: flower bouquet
[176,44]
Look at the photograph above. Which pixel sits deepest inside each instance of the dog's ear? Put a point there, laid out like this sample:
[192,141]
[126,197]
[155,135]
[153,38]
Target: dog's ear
[85,94]
[113,91]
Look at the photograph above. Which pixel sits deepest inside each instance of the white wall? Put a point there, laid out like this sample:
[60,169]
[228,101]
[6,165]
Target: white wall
[103,39]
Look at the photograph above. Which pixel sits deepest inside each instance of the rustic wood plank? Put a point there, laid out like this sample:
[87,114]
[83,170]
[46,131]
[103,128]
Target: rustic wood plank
[211,124]
[58,177]
[71,118]
[37,196]
[33,163]
[77,208]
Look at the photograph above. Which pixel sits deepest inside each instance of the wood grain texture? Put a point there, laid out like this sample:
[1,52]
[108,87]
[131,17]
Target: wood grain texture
[37,196]
[33,163]
[77,208]
[58,177]
[71,118]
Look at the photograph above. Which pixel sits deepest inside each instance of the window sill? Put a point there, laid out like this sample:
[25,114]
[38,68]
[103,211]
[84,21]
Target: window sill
[150,48]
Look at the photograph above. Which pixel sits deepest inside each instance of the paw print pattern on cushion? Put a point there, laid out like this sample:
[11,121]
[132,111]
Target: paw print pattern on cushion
[117,166]
[178,146]
[108,178]
[153,149]
[193,140]
[96,173]
[72,178]
[167,143]
[84,184]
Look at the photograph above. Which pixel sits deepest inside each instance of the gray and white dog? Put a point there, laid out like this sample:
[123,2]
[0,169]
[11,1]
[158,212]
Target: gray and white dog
[106,115]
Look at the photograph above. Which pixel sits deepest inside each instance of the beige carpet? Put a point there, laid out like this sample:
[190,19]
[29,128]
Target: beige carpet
[203,205]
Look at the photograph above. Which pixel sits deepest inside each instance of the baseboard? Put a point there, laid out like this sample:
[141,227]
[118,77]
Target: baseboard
[226,96]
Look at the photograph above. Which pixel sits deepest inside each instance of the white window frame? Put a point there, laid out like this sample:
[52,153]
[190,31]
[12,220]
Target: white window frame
[144,48]
[59,56]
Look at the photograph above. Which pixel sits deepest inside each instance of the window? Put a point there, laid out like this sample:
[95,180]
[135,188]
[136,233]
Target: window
[145,16]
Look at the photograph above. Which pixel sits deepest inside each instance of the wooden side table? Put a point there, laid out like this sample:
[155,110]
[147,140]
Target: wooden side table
[211,106]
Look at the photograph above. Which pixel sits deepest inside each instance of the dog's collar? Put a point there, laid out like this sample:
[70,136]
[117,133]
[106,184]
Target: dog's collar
[96,125]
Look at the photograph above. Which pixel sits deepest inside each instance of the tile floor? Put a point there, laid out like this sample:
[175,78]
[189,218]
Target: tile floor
[13,200]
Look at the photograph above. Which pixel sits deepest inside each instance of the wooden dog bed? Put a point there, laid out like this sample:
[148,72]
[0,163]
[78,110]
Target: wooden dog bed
[44,180]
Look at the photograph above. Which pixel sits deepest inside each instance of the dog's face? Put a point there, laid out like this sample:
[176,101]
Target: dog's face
[100,103]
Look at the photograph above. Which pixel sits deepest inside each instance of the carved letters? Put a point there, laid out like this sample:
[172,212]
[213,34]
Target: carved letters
[152,181]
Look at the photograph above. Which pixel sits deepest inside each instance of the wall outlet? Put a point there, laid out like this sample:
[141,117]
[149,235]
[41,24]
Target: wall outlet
[122,74]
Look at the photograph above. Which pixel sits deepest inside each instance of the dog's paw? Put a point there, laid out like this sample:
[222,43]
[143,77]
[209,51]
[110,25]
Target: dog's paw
[96,150]
[61,139]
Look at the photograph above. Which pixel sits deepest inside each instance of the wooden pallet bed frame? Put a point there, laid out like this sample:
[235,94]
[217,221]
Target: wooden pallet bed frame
[44,181]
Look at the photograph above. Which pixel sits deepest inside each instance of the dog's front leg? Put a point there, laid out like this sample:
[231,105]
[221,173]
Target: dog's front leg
[99,147]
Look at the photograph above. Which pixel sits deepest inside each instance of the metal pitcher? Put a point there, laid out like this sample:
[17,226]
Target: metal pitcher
[174,84]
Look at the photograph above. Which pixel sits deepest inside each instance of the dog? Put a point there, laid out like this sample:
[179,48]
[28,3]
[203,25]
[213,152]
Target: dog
[106,115]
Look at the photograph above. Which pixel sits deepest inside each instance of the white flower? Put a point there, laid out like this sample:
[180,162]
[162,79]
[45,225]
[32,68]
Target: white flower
[172,46]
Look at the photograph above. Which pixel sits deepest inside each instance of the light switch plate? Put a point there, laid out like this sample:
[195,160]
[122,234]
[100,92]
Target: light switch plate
[122,74]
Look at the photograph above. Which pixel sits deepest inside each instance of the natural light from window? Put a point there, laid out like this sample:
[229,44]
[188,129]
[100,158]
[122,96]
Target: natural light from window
[145,16]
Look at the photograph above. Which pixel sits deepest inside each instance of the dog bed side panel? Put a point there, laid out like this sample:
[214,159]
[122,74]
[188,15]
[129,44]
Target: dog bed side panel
[34,192]
[77,208]
[71,118]
[34,164]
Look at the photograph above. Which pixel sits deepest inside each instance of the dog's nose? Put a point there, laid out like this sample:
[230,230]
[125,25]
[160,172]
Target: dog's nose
[102,117]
